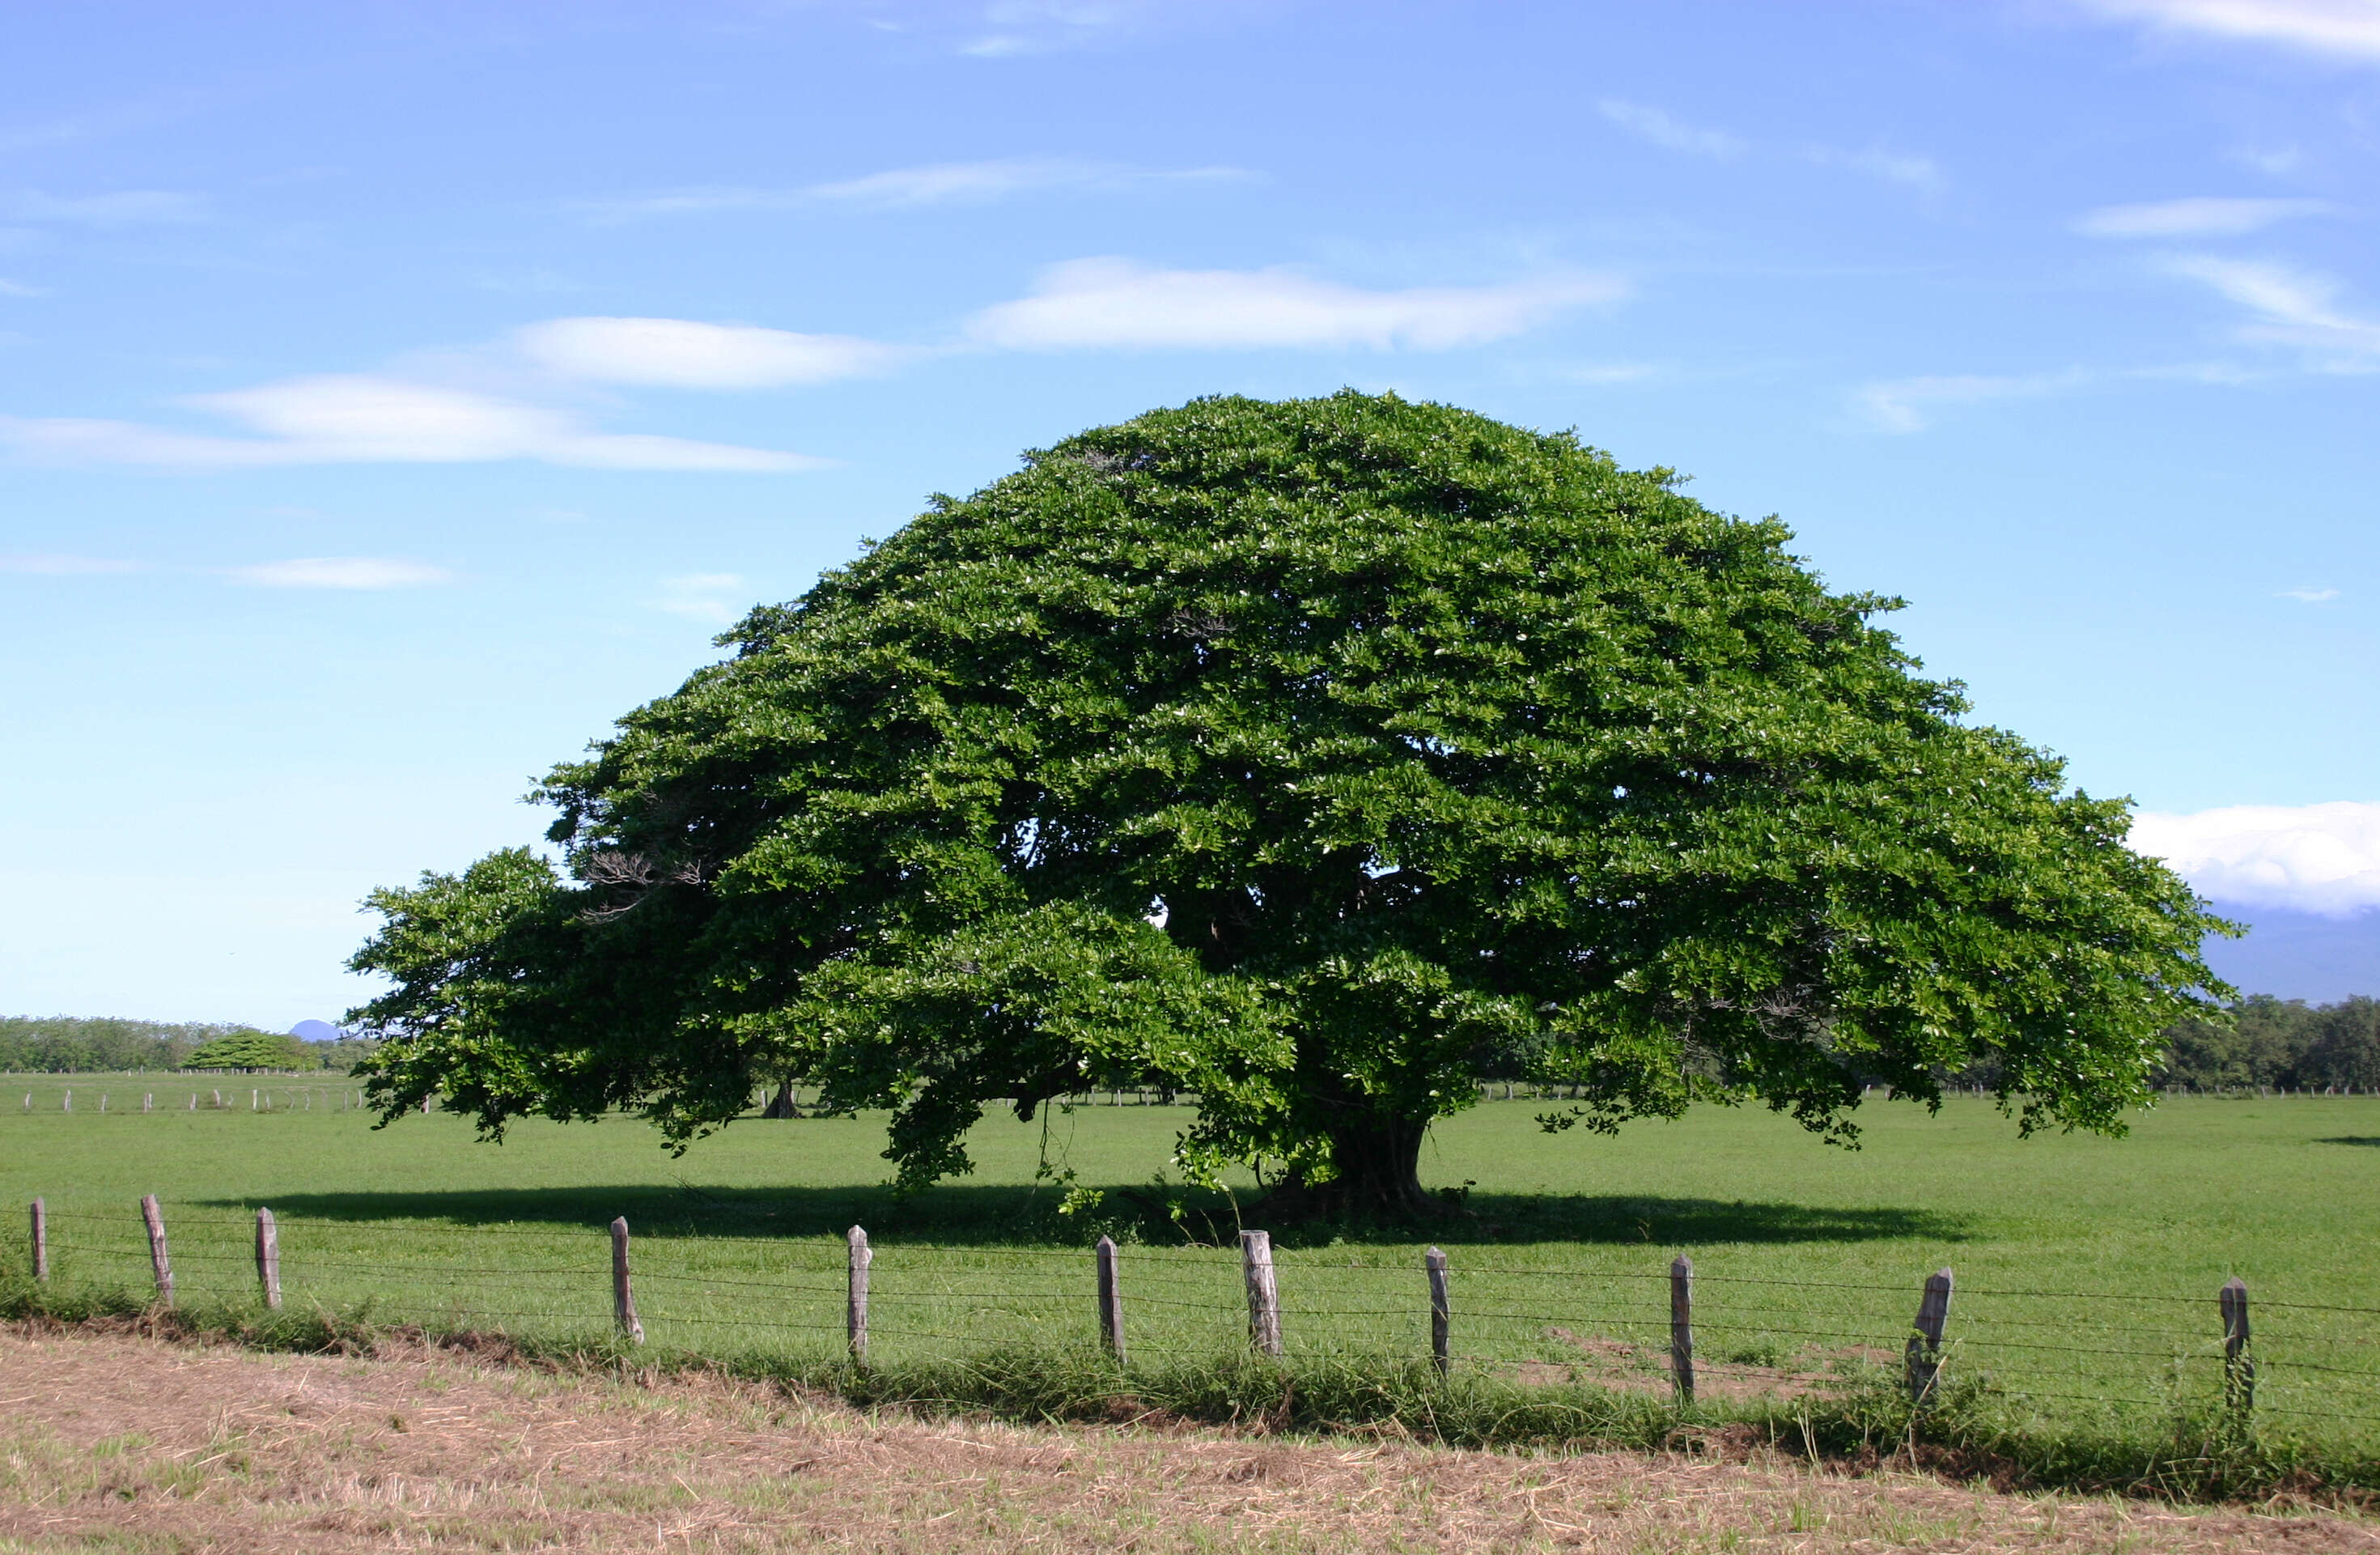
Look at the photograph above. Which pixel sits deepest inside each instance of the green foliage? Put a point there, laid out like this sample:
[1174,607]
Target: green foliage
[253,1050]
[2269,1041]
[69,1044]
[1311,756]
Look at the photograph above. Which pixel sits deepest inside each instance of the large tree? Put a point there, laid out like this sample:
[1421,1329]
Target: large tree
[1303,755]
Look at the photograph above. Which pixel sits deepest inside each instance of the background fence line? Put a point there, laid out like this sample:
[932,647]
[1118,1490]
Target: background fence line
[1676,1328]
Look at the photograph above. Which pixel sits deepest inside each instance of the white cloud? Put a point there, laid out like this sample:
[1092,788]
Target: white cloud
[356,418]
[2297,307]
[716,598]
[941,183]
[1652,124]
[339,572]
[67,567]
[2200,217]
[2344,28]
[1115,302]
[979,183]
[125,208]
[2315,859]
[1905,405]
[2311,596]
[681,353]
[19,288]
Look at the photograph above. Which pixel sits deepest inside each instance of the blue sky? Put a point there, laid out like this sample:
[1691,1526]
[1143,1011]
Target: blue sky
[391,394]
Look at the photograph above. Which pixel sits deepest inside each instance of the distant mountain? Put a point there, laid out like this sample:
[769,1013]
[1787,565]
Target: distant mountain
[2299,956]
[316,1031]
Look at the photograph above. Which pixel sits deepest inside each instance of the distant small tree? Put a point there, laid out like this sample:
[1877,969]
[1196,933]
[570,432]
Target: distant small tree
[1319,758]
[251,1049]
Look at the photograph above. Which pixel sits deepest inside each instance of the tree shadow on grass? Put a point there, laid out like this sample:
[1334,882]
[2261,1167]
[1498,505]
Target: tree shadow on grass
[2369,1141]
[960,1214]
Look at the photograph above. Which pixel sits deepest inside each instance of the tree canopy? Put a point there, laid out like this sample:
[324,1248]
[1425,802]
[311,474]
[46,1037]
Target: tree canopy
[252,1050]
[1303,755]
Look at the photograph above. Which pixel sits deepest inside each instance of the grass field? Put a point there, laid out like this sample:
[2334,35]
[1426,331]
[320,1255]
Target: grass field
[2086,1269]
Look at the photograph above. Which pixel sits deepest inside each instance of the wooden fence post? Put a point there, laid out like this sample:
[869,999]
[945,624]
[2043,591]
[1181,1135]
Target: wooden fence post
[1110,1301]
[1682,1327]
[268,1258]
[855,1321]
[624,1300]
[1441,1313]
[1264,1294]
[2239,1361]
[159,1265]
[1925,1340]
[41,1241]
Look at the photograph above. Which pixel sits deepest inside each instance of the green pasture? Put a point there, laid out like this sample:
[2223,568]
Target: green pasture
[2086,1269]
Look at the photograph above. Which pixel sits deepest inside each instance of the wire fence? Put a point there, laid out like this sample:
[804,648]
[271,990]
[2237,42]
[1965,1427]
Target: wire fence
[2310,1367]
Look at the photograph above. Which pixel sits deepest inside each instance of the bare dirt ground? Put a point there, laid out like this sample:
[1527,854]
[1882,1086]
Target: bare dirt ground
[123,1443]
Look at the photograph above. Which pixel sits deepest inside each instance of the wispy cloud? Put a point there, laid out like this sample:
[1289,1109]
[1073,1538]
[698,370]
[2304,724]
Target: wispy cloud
[340,572]
[1669,133]
[2198,217]
[19,288]
[2315,859]
[1907,404]
[67,566]
[124,208]
[2341,28]
[683,353]
[358,418]
[718,599]
[2311,596]
[1115,302]
[1023,27]
[1660,127]
[1911,171]
[899,189]
[2294,308]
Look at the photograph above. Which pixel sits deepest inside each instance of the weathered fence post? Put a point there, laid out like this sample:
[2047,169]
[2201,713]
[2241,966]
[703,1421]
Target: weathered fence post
[1264,1294]
[67,1105]
[1682,1327]
[1441,1313]
[147,1097]
[1110,1301]
[159,1265]
[41,1241]
[268,1257]
[1926,1339]
[2238,1361]
[624,1300]
[854,1320]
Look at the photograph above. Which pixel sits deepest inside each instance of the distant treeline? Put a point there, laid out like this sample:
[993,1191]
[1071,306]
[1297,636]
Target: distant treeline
[68,1044]
[2269,1043]
[2279,1042]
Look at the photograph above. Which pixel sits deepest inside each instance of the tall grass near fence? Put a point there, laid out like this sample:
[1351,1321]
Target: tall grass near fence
[2083,1338]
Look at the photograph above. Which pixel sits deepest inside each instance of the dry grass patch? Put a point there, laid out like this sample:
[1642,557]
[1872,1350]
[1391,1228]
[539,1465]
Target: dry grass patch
[124,1443]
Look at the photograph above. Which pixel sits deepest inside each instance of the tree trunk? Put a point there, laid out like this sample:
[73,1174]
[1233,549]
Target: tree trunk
[1377,1161]
[781,1105]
